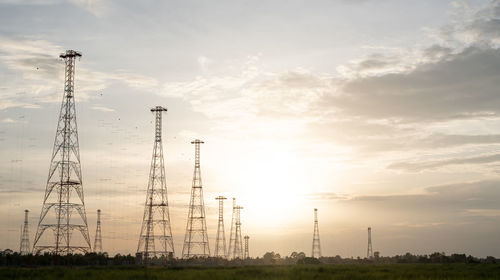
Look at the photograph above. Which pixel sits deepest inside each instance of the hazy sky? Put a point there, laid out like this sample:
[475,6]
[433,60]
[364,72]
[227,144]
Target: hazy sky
[378,113]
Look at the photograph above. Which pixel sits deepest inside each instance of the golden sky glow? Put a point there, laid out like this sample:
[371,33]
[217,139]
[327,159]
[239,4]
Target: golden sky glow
[378,113]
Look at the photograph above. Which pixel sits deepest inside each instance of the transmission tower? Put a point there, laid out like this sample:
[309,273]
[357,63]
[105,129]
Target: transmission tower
[98,238]
[316,249]
[62,212]
[369,252]
[233,227]
[238,242]
[196,238]
[156,239]
[220,240]
[246,255]
[24,249]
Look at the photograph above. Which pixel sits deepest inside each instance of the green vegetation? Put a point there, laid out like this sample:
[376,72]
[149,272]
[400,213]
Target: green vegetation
[344,271]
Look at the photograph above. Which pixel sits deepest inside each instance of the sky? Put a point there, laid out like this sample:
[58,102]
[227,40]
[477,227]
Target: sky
[378,113]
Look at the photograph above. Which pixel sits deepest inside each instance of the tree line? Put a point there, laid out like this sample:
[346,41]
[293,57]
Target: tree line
[10,258]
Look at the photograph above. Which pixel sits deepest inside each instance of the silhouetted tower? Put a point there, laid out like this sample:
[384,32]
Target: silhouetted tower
[196,238]
[220,240]
[246,255]
[63,212]
[156,238]
[98,238]
[316,249]
[233,227]
[24,248]
[369,252]
[238,242]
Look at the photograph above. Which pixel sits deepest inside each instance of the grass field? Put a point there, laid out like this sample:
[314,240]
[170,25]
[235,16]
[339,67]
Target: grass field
[391,271]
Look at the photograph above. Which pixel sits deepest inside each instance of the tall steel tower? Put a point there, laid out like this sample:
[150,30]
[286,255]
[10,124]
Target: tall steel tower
[156,239]
[98,238]
[196,238]
[63,212]
[231,235]
[316,249]
[238,242]
[24,248]
[220,240]
[246,255]
[369,252]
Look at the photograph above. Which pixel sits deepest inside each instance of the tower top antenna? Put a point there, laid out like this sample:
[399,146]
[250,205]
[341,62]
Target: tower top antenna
[70,53]
[158,109]
[197,141]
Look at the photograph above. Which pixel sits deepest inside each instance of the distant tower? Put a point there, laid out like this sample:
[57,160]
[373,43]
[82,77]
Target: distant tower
[156,239]
[369,253]
[98,238]
[238,242]
[196,238]
[63,210]
[246,255]
[220,240]
[233,227]
[25,241]
[316,249]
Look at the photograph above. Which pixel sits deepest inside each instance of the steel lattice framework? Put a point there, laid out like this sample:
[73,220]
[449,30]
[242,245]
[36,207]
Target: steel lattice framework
[316,248]
[62,212]
[98,237]
[231,234]
[24,248]
[237,250]
[369,251]
[246,255]
[196,238]
[155,240]
[220,240]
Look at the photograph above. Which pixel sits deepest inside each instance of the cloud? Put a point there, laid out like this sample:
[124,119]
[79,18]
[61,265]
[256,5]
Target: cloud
[462,86]
[102,109]
[326,196]
[8,120]
[34,74]
[483,212]
[473,24]
[457,198]
[252,93]
[96,7]
[29,2]
[426,165]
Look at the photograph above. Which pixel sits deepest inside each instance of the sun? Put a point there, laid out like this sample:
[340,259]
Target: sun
[273,185]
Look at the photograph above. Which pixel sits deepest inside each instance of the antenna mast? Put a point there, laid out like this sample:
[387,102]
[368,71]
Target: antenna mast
[238,242]
[24,248]
[316,249]
[246,255]
[220,240]
[98,238]
[231,235]
[196,238]
[155,240]
[369,253]
[62,212]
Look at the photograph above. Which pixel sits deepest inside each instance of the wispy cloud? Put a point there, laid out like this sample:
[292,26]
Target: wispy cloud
[96,7]
[426,165]
[37,74]
[102,109]
[9,120]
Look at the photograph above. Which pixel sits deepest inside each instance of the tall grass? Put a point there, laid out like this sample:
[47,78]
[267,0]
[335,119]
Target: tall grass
[347,272]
